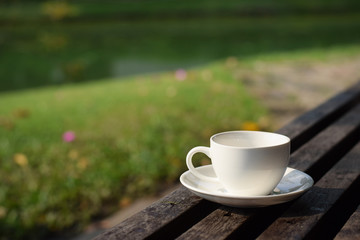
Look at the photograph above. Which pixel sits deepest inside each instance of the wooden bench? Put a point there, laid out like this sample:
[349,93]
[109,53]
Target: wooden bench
[325,145]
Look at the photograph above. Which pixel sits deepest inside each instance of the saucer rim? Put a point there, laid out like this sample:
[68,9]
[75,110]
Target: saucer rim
[236,196]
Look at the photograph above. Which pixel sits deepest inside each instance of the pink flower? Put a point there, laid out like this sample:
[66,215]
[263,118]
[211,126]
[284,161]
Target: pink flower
[68,136]
[180,74]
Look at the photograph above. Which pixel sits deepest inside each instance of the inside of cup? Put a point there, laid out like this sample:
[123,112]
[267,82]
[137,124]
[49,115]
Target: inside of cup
[247,139]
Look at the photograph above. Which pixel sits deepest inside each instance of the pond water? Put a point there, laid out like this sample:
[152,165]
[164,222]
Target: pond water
[53,53]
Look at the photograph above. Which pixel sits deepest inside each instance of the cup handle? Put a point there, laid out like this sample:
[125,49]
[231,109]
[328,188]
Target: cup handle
[206,151]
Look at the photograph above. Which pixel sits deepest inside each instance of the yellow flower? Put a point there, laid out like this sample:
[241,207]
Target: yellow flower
[2,212]
[6,123]
[124,202]
[20,159]
[175,162]
[82,163]
[250,126]
[73,154]
[21,113]
[58,10]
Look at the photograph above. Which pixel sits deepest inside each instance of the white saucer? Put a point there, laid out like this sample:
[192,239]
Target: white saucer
[292,185]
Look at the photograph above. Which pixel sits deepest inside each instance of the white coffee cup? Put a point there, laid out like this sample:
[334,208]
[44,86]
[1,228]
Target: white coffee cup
[247,163]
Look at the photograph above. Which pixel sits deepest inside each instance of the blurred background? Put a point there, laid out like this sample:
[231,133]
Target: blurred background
[101,100]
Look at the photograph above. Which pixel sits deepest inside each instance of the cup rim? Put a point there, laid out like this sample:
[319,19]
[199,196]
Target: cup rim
[286,139]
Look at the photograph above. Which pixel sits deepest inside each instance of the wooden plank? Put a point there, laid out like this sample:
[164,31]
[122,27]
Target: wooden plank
[309,124]
[168,211]
[322,151]
[351,229]
[332,222]
[300,219]
[329,145]
[218,224]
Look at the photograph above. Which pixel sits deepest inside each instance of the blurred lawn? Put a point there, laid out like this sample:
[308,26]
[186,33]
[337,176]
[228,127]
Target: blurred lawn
[131,137]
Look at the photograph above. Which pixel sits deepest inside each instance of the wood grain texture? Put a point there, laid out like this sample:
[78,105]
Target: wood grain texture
[351,230]
[324,148]
[151,220]
[300,219]
[219,224]
[312,122]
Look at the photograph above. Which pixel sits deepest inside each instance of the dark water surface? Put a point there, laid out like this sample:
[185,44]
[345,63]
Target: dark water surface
[52,53]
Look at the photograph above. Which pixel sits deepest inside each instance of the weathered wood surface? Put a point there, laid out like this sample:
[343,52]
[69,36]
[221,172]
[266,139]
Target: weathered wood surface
[327,147]
[323,146]
[351,230]
[312,122]
[310,216]
[176,211]
[323,150]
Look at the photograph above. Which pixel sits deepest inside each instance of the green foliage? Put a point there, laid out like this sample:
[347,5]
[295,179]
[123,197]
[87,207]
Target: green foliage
[131,136]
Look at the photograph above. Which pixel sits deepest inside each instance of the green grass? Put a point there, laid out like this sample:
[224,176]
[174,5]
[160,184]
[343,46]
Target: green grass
[132,135]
